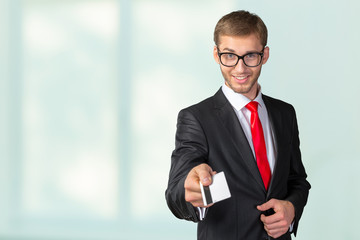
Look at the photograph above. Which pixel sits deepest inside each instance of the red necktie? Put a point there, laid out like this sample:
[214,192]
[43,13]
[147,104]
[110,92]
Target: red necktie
[259,144]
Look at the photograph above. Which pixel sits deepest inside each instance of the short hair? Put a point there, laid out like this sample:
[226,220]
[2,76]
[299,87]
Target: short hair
[241,23]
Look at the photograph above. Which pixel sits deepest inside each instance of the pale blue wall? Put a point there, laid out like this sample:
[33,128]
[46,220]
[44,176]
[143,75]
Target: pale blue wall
[90,91]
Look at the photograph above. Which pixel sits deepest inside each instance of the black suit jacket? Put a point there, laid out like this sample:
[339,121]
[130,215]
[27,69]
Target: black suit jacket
[210,132]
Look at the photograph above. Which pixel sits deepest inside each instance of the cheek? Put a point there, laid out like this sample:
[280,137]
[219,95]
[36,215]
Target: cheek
[225,71]
[256,72]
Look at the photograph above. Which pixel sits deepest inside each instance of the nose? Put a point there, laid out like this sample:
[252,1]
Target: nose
[240,66]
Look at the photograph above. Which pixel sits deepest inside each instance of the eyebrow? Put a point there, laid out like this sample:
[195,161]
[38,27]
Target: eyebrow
[233,51]
[229,49]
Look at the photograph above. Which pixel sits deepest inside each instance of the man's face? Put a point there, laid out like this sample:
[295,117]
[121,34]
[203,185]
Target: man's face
[240,78]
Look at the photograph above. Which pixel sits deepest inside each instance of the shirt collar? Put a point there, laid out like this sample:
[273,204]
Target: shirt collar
[239,101]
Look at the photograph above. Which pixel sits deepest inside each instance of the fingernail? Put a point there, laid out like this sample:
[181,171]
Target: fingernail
[206,180]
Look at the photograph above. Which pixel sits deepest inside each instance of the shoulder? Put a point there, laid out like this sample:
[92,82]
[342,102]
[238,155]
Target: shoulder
[281,105]
[198,110]
[207,105]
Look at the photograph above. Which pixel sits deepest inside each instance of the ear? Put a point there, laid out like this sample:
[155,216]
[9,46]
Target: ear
[216,56]
[266,55]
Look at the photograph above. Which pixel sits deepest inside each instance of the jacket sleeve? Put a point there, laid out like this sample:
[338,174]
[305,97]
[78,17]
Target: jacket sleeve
[298,186]
[190,150]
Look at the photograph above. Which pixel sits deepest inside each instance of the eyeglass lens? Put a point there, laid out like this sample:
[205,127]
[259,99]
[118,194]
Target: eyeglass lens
[250,59]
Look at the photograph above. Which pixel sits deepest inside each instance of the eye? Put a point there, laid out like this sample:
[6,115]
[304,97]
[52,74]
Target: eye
[229,56]
[251,55]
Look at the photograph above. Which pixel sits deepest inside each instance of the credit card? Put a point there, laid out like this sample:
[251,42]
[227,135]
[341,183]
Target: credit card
[217,191]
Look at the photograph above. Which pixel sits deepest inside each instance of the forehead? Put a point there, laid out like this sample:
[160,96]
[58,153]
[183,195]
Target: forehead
[240,44]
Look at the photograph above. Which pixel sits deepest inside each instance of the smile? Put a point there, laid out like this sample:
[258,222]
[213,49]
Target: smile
[241,79]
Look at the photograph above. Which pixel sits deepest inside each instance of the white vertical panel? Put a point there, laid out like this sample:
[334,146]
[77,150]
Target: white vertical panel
[70,124]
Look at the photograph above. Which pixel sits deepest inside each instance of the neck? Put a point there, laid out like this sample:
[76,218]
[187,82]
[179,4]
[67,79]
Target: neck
[252,94]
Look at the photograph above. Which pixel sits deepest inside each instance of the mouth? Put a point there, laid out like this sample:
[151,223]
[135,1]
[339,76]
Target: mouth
[241,79]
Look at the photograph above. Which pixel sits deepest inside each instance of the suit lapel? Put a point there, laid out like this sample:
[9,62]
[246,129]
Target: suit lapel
[277,129]
[231,122]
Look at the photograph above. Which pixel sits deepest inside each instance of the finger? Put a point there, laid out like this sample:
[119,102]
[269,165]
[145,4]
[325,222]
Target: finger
[277,225]
[196,200]
[198,203]
[276,229]
[266,206]
[272,218]
[193,196]
[201,204]
[276,233]
[192,184]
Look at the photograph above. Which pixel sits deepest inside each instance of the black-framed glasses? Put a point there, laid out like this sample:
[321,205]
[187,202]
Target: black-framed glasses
[252,59]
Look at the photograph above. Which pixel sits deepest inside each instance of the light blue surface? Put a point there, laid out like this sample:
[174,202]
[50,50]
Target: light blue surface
[90,91]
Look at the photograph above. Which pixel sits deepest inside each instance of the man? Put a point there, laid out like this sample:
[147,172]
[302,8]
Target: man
[249,136]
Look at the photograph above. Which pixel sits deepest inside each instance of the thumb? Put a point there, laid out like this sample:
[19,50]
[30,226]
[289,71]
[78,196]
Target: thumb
[266,206]
[205,172]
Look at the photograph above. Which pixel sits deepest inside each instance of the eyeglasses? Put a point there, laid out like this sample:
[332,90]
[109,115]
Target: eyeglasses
[252,59]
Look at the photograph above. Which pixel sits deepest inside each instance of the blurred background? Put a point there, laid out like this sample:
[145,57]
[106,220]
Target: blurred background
[89,96]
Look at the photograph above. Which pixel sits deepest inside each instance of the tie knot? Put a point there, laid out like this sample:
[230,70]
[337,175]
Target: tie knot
[252,106]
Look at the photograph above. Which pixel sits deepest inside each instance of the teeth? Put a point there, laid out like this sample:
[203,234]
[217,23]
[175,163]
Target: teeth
[241,78]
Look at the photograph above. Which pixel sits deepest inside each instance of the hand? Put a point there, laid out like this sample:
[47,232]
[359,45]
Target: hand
[203,173]
[278,223]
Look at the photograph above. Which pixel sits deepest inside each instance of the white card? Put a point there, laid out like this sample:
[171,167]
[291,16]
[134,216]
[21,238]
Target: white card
[217,191]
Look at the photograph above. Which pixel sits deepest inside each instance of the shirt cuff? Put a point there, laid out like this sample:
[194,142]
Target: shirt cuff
[291,227]
[202,213]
